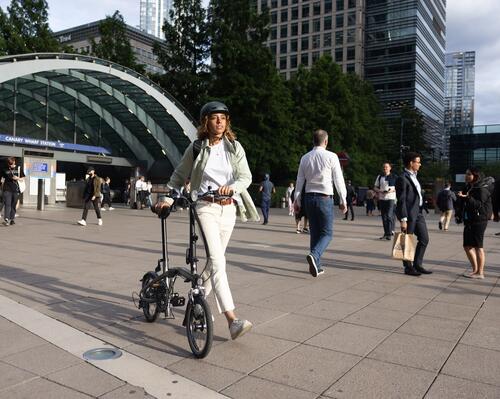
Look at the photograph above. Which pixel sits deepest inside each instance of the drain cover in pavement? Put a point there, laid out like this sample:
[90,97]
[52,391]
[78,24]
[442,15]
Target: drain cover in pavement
[102,354]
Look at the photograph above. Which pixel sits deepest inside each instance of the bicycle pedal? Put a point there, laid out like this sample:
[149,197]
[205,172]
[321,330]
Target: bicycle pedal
[177,300]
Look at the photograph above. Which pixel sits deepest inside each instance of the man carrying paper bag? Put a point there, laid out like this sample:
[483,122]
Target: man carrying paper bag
[403,247]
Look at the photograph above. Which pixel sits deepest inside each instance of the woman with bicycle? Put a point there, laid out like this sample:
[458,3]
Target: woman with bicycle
[216,161]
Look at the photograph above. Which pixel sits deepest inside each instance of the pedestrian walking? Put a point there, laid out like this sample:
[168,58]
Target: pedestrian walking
[370,202]
[445,202]
[409,212]
[476,211]
[386,198]
[91,195]
[289,199]
[351,199]
[126,192]
[220,165]
[267,190]
[106,194]
[12,176]
[319,170]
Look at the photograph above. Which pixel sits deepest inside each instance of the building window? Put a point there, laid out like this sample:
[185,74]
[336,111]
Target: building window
[283,47]
[272,48]
[351,4]
[284,15]
[350,68]
[294,45]
[338,55]
[340,5]
[263,5]
[274,33]
[304,59]
[305,27]
[294,29]
[327,23]
[316,25]
[293,61]
[351,18]
[283,63]
[339,38]
[304,43]
[317,8]
[328,6]
[284,3]
[284,31]
[295,13]
[315,56]
[351,53]
[274,3]
[274,17]
[316,41]
[305,11]
[327,40]
[351,35]
[339,21]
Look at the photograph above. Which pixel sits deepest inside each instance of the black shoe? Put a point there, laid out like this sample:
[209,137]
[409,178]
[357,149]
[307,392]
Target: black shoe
[344,219]
[384,237]
[313,269]
[352,220]
[497,234]
[320,271]
[410,271]
[12,222]
[264,223]
[440,225]
[421,270]
[388,238]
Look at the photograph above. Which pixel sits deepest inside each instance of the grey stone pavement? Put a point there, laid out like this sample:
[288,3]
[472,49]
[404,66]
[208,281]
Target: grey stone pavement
[361,330]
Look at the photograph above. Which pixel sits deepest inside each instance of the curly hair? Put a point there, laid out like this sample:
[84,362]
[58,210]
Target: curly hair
[204,134]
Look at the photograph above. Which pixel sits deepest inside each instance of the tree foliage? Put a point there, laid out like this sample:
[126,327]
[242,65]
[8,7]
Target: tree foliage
[244,76]
[114,44]
[184,55]
[25,29]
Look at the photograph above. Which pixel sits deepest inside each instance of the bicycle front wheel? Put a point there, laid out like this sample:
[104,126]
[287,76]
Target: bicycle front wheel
[150,307]
[199,327]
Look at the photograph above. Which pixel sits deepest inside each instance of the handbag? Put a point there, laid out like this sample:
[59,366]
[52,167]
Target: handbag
[403,246]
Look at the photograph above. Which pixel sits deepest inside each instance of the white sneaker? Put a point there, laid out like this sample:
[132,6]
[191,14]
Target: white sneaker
[82,222]
[239,328]
[111,208]
[103,209]
[99,222]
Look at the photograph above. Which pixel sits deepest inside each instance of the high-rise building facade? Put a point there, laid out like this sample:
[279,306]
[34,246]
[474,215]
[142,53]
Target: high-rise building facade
[404,59]
[301,31]
[153,14]
[459,92]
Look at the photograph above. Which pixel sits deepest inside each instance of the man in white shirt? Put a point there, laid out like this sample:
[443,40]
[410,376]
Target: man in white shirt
[385,187]
[140,186]
[319,170]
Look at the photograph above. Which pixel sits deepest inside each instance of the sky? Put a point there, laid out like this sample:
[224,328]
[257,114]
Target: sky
[471,26]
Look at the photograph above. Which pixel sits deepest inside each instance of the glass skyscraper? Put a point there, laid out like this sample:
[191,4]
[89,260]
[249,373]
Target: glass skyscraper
[404,59]
[153,14]
[459,93]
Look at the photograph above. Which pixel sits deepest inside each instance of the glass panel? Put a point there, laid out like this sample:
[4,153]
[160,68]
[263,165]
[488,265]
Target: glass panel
[327,23]
[339,38]
[339,21]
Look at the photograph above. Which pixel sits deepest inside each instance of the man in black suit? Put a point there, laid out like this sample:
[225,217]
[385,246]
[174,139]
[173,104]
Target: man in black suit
[409,212]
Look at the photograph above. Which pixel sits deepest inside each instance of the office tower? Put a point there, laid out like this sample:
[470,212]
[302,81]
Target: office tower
[302,31]
[404,60]
[153,14]
[459,93]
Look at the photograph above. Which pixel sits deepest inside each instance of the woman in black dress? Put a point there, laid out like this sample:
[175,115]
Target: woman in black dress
[476,211]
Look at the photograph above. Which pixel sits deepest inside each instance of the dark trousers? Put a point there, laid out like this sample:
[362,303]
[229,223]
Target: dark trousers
[9,202]
[106,199]
[350,208]
[387,213]
[95,204]
[264,206]
[420,231]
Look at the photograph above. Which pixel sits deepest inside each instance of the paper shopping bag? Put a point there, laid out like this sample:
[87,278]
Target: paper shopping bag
[403,246]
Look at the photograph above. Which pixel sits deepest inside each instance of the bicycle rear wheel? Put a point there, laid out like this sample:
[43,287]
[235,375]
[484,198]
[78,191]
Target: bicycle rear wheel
[151,310]
[199,327]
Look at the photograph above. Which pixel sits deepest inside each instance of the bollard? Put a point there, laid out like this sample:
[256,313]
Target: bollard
[40,203]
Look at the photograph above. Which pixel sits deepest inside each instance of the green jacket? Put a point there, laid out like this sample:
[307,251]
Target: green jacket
[189,167]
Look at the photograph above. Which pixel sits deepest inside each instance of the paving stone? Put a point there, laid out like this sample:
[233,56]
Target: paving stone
[433,327]
[10,375]
[446,387]
[307,367]
[40,388]
[451,311]
[473,363]
[42,360]
[127,391]
[251,388]
[349,338]
[285,302]
[357,297]
[462,296]
[331,310]
[17,340]
[482,333]
[403,304]
[419,290]
[410,350]
[378,318]
[378,286]
[371,379]
[86,378]
[293,327]
[248,352]
[257,314]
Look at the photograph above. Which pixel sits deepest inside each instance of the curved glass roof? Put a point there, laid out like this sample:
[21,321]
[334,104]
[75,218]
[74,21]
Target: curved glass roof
[86,100]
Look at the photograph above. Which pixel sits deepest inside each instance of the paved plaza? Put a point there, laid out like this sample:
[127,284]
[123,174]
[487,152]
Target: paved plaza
[361,330]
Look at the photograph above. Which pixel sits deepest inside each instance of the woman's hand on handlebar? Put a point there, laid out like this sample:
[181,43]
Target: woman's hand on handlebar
[225,190]
[163,204]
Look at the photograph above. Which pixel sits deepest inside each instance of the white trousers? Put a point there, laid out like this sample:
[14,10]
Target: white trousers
[217,222]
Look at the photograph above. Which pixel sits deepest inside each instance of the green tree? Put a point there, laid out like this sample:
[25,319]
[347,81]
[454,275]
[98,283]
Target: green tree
[245,77]
[185,53]
[113,44]
[26,28]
